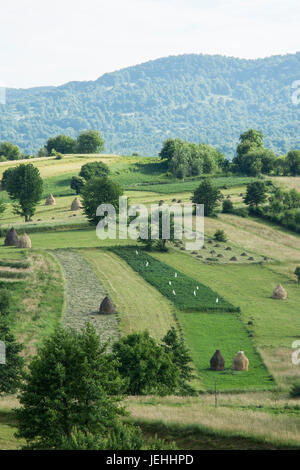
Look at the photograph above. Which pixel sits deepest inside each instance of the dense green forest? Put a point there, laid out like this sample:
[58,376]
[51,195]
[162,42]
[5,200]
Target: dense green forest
[200,98]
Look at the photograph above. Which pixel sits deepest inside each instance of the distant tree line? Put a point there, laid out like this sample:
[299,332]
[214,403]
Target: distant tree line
[187,159]
[89,141]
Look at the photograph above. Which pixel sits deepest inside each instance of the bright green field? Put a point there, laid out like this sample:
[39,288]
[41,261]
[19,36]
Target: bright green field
[206,332]
[189,186]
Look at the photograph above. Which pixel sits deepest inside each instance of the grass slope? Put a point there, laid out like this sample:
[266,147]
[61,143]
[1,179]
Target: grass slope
[207,332]
[140,306]
[275,324]
[37,300]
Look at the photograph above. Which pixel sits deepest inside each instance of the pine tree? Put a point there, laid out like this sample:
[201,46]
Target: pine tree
[174,345]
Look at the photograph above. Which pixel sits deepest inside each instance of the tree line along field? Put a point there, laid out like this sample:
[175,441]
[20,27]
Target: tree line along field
[264,329]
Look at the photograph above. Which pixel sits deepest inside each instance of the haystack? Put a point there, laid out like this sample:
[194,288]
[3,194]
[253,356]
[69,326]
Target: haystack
[11,238]
[76,204]
[217,361]
[24,241]
[279,293]
[50,201]
[107,306]
[234,258]
[240,362]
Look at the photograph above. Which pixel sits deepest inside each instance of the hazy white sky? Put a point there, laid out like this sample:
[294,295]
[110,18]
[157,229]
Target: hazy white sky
[50,42]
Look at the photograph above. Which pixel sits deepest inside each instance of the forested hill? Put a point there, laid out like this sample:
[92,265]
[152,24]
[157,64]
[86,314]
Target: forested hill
[211,99]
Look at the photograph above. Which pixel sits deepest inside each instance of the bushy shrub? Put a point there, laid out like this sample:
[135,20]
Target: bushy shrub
[220,236]
[145,366]
[295,390]
[227,207]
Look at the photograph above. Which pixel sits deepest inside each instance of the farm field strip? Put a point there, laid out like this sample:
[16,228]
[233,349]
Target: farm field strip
[140,306]
[37,299]
[182,290]
[200,411]
[273,324]
[205,332]
[189,186]
[208,332]
[84,293]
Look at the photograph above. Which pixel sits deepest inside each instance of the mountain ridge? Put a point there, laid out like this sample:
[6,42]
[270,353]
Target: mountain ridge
[198,97]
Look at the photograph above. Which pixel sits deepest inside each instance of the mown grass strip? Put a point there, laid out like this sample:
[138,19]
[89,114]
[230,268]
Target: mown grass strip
[15,264]
[187,186]
[180,290]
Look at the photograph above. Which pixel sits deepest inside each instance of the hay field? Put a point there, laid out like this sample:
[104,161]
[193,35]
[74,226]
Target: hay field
[140,306]
[259,422]
[274,324]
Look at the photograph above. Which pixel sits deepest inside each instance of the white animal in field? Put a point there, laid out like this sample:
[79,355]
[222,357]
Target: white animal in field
[195,293]
[170,283]
[175,275]
[147,264]
[174,293]
[136,252]
[217,300]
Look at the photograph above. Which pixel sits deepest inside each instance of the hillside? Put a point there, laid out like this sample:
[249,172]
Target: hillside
[196,97]
[63,278]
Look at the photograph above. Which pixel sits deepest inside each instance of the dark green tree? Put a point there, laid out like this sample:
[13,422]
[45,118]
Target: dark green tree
[256,194]
[99,191]
[227,206]
[145,365]
[72,382]
[25,187]
[10,151]
[175,347]
[5,177]
[293,162]
[10,373]
[268,161]
[77,184]
[168,149]
[209,195]
[90,142]
[94,170]
[297,273]
[250,142]
[61,143]
[220,235]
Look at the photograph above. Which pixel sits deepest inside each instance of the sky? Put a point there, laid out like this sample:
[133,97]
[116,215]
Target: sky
[51,42]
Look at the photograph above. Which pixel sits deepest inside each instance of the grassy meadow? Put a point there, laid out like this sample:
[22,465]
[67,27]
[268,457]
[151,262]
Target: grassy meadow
[68,263]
